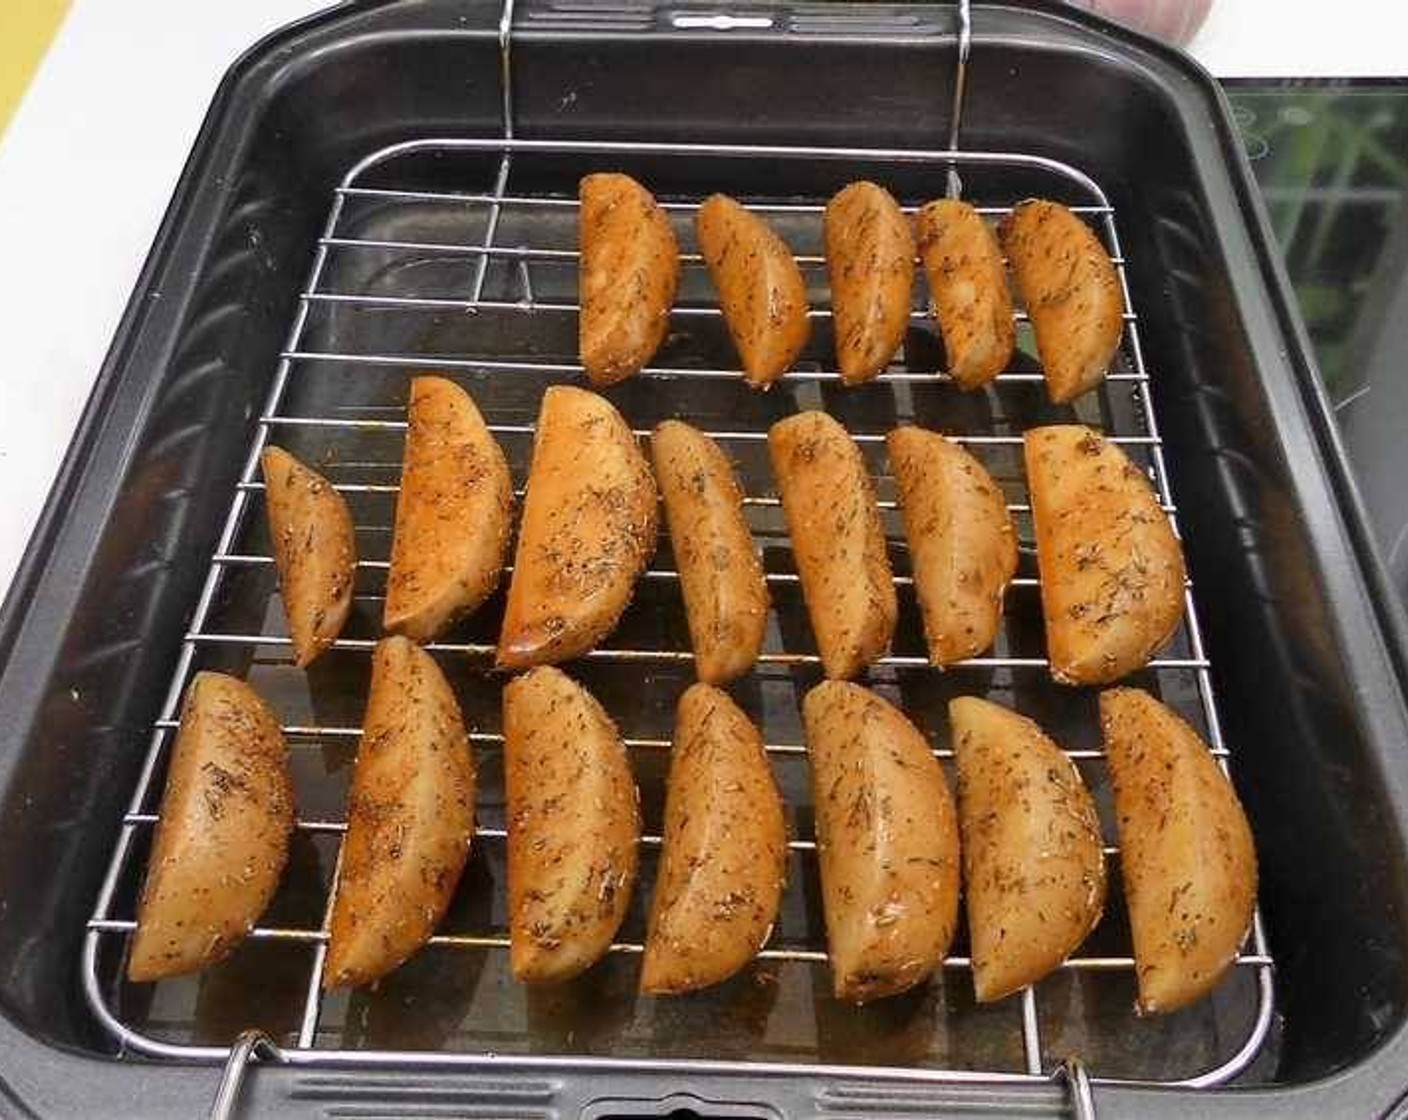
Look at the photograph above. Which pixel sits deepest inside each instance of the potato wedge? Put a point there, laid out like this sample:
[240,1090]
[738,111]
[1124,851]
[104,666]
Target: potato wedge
[1185,847]
[725,854]
[222,839]
[870,260]
[1112,571]
[630,269]
[410,818]
[315,552]
[725,594]
[588,531]
[962,547]
[887,841]
[838,540]
[1072,293]
[968,294]
[761,289]
[1033,858]
[452,513]
[573,826]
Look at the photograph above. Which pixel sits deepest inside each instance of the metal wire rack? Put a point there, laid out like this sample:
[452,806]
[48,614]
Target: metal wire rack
[351,445]
[415,272]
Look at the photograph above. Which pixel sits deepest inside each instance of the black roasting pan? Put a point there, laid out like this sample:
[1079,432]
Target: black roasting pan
[1307,653]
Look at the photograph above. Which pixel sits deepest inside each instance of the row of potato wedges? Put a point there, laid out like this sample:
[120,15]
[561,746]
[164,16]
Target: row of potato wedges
[630,270]
[589,528]
[890,841]
[1112,571]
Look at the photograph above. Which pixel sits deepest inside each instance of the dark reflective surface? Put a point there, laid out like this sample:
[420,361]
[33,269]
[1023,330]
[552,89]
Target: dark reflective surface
[1331,158]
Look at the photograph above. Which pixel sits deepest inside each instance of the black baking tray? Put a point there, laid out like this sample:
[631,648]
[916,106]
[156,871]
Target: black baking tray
[1308,653]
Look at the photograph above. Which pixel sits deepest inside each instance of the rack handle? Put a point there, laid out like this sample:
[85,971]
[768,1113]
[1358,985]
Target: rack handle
[960,89]
[249,1047]
[1077,1079]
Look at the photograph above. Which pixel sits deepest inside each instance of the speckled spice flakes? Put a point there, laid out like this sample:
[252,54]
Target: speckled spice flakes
[963,548]
[725,854]
[838,540]
[1032,849]
[870,260]
[226,816]
[1112,573]
[1186,850]
[1072,293]
[761,289]
[887,842]
[628,276]
[453,513]
[314,547]
[968,290]
[588,530]
[574,826]
[410,818]
[721,576]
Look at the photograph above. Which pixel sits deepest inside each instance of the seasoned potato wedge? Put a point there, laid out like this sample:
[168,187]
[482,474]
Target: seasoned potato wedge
[838,540]
[761,289]
[887,841]
[222,840]
[452,513]
[573,826]
[725,595]
[1185,848]
[870,260]
[1072,293]
[968,293]
[410,818]
[962,547]
[1033,859]
[315,551]
[588,531]
[1112,571]
[630,268]
[725,853]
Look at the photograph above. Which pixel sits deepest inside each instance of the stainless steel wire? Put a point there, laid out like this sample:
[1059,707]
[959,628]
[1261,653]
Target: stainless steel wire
[297,358]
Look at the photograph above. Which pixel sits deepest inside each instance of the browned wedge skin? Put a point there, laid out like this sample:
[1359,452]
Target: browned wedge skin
[838,540]
[725,593]
[630,269]
[410,818]
[1186,851]
[725,854]
[760,287]
[226,817]
[1033,858]
[968,293]
[870,259]
[1072,293]
[962,546]
[588,530]
[887,841]
[1112,573]
[315,551]
[452,513]
[573,826]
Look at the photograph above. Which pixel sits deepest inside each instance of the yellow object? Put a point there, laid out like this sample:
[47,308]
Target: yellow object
[26,30]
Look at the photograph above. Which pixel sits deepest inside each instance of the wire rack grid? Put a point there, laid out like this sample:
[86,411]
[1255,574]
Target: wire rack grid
[389,295]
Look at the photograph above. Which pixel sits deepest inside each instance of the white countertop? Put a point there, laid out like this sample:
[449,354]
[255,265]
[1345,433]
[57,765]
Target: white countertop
[90,158]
